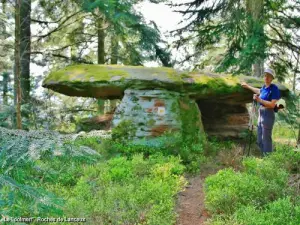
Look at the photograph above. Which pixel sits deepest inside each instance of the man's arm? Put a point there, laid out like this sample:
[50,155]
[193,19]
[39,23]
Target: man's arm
[268,104]
[272,103]
[253,89]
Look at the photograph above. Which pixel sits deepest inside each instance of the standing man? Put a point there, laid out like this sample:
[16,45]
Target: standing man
[267,96]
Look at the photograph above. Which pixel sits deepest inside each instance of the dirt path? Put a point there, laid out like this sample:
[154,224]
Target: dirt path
[190,203]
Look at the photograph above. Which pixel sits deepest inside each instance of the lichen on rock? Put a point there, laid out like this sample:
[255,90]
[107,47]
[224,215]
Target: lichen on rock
[110,81]
[156,112]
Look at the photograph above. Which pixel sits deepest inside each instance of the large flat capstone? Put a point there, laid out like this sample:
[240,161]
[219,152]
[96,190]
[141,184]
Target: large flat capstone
[160,100]
[110,82]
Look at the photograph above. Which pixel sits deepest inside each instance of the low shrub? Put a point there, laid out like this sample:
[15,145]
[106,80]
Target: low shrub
[130,191]
[190,152]
[228,190]
[275,178]
[258,194]
[281,211]
[287,158]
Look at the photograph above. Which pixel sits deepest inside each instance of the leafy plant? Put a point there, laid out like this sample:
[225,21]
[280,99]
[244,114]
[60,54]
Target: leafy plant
[30,163]
[281,211]
[191,153]
[133,190]
[258,194]
[124,131]
[228,190]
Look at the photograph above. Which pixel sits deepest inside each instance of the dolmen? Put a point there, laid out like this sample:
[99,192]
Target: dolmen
[155,101]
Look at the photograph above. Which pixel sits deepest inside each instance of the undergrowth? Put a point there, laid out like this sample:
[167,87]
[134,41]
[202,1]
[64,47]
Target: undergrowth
[259,193]
[44,175]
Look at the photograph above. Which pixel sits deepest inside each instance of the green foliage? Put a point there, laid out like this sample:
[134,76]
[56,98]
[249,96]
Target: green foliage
[228,190]
[27,199]
[215,146]
[140,40]
[287,158]
[259,194]
[275,178]
[283,130]
[124,131]
[92,142]
[138,190]
[61,180]
[291,114]
[190,151]
[6,118]
[30,164]
[192,127]
[281,211]
[128,37]
[247,30]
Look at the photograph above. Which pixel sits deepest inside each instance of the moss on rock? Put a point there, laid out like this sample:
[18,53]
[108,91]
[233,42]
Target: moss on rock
[110,81]
[190,116]
[86,73]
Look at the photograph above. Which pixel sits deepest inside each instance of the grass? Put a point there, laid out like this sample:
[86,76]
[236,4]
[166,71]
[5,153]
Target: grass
[283,132]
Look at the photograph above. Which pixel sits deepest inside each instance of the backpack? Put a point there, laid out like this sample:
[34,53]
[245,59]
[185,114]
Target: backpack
[280,104]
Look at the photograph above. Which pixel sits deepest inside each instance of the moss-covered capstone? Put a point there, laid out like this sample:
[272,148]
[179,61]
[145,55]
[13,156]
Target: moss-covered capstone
[110,81]
[160,100]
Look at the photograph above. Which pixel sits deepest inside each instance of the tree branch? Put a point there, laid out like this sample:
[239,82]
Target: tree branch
[59,27]
[77,59]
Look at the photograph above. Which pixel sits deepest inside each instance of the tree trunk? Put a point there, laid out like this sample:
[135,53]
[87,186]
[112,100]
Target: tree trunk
[298,109]
[258,68]
[17,63]
[5,87]
[73,54]
[298,141]
[101,37]
[3,5]
[114,50]
[101,55]
[25,40]
[295,75]
[255,9]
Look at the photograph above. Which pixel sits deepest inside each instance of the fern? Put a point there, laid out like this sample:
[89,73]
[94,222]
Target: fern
[32,161]
[34,143]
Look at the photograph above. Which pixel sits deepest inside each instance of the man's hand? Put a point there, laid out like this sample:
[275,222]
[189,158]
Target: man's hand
[253,89]
[244,85]
[256,97]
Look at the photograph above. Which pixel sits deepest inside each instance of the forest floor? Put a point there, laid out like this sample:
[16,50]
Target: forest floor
[190,203]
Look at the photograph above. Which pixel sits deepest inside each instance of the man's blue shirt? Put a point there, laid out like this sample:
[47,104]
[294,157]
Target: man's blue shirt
[269,93]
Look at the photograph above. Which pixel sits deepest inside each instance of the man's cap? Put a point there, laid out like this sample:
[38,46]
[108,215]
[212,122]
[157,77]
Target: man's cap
[270,71]
[281,102]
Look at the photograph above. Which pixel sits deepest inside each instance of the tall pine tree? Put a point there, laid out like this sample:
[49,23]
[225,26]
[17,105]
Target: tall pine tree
[254,32]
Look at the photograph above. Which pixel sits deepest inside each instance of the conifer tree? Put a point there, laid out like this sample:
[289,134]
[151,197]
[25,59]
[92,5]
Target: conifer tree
[254,32]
